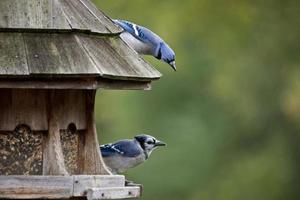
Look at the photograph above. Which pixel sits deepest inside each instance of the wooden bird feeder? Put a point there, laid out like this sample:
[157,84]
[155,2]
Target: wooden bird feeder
[54,55]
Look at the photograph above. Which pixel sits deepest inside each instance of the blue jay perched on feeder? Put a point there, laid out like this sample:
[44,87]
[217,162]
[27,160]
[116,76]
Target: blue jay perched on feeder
[145,42]
[126,154]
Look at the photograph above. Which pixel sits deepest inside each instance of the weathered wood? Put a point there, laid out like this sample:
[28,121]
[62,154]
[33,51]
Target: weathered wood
[53,159]
[59,20]
[31,108]
[13,55]
[113,193]
[71,55]
[61,83]
[116,59]
[101,17]
[70,83]
[90,159]
[35,187]
[123,85]
[80,17]
[23,107]
[48,38]
[70,107]
[30,14]
[15,14]
[56,54]
[65,187]
[83,182]
[54,15]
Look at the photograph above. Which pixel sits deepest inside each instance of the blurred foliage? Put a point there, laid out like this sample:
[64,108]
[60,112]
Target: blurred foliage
[231,113]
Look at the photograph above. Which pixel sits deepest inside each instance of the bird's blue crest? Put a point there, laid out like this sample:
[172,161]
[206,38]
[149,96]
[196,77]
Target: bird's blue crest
[142,137]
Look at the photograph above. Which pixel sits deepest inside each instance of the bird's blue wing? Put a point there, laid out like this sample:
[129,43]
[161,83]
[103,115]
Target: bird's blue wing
[123,148]
[141,33]
[108,150]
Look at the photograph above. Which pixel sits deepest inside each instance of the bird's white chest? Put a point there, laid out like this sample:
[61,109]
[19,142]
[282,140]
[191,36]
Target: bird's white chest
[119,164]
[137,45]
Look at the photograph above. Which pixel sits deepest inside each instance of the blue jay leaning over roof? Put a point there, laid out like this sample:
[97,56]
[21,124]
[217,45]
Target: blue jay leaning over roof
[126,154]
[145,42]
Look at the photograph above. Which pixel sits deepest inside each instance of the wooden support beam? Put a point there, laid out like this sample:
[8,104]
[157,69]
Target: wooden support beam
[53,159]
[90,159]
[113,193]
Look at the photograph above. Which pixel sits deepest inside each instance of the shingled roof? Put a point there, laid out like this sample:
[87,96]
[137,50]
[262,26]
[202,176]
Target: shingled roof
[66,39]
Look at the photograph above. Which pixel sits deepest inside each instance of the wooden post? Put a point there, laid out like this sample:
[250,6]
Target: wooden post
[53,159]
[90,159]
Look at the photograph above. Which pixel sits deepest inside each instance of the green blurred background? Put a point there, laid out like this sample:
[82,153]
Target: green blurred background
[231,113]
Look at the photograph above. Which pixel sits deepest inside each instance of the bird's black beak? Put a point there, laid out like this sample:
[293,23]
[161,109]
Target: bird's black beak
[173,65]
[160,143]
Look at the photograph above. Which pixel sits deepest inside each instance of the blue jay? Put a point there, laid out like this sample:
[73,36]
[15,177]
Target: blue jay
[126,154]
[144,41]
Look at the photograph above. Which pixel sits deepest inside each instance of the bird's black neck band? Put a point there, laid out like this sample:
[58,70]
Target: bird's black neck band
[159,54]
[146,155]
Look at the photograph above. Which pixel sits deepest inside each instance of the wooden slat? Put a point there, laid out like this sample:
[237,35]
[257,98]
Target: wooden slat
[115,59]
[13,14]
[70,108]
[32,14]
[35,187]
[53,159]
[59,20]
[6,116]
[113,193]
[12,56]
[29,107]
[106,21]
[81,18]
[84,182]
[23,107]
[56,54]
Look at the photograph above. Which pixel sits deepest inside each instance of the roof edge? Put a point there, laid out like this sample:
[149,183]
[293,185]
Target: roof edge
[73,83]
[48,30]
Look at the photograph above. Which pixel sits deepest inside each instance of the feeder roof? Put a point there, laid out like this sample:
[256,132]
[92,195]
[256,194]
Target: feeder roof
[65,38]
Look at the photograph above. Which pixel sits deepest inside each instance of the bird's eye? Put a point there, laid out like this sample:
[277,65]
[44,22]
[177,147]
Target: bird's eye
[149,142]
